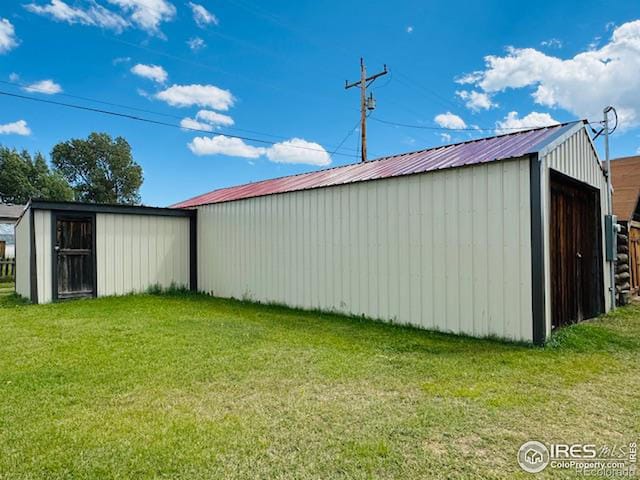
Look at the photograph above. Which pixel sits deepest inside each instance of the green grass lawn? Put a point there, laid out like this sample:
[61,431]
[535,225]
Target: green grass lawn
[194,387]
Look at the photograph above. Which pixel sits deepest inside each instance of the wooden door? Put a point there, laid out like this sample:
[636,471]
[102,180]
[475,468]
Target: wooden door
[74,257]
[575,252]
[634,257]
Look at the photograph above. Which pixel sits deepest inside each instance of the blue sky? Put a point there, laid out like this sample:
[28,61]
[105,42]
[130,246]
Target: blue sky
[275,71]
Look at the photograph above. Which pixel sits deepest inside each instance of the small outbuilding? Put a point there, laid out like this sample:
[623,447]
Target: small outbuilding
[502,236]
[71,250]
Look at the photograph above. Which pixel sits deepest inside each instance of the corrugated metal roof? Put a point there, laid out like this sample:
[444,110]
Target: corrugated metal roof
[491,149]
[10,213]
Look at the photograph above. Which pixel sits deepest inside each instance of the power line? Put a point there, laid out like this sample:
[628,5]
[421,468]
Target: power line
[346,138]
[466,129]
[144,110]
[151,121]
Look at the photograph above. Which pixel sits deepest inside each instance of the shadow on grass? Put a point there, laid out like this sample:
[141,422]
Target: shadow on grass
[619,330]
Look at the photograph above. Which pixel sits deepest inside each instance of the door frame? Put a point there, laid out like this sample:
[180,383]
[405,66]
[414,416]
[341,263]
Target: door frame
[55,215]
[563,178]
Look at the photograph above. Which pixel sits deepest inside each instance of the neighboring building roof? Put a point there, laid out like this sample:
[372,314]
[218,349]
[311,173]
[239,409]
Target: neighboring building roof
[626,186]
[484,150]
[10,213]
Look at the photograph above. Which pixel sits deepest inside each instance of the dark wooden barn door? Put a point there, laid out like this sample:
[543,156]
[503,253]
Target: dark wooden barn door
[575,248]
[74,257]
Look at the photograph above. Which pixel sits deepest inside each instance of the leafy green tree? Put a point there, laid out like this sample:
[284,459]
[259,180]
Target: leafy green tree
[100,169]
[23,177]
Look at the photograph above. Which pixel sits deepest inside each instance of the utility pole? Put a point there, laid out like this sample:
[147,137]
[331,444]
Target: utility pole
[365,104]
[612,266]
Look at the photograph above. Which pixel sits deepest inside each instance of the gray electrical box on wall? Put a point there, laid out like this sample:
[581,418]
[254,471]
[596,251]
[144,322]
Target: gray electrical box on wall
[611,236]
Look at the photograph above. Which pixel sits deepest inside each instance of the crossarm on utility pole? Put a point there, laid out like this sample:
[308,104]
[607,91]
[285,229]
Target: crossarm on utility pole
[364,83]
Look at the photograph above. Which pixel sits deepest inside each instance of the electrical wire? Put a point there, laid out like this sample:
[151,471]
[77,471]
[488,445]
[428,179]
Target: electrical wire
[154,122]
[345,138]
[144,110]
[616,125]
[466,129]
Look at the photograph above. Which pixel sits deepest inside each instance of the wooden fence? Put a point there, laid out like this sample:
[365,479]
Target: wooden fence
[8,269]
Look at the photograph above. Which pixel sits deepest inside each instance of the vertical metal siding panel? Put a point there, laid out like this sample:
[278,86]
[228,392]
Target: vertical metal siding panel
[495,251]
[373,261]
[355,240]
[100,253]
[128,246]
[412,253]
[392,247]
[439,255]
[42,224]
[403,251]
[145,268]
[118,254]
[465,250]
[137,252]
[283,234]
[524,218]
[511,238]
[480,234]
[452,293]
[23,255]
[427,231]
[307,251]
[383,254]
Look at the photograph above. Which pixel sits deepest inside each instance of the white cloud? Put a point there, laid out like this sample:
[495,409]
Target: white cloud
[16,128]
[191,124]
[14,77]
[202,16]
[298,150]
[215,118]
[410,29]
[512,122]
[196,43]
[449,120]
[95,15]
[582,85]
[295,150]
[551,43]
[445,137]
[147,14]
[8,39]
[48,87]
[119,60]
[469,78]
[200,95]
[151,72]
[222,145]
[475,100]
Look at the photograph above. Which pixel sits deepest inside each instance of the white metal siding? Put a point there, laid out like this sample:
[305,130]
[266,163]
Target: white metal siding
[134,252]
[23,255]
[577,159]
[42,223]
[444,250]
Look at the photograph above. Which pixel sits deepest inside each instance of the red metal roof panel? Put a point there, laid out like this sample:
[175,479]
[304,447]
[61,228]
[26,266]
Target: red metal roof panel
[473,152]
